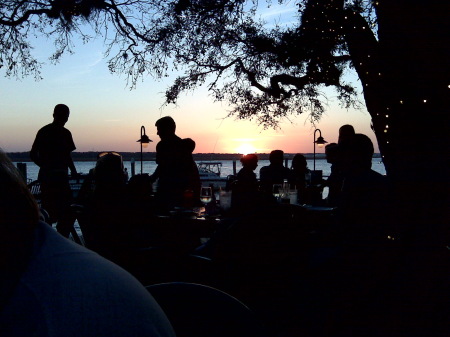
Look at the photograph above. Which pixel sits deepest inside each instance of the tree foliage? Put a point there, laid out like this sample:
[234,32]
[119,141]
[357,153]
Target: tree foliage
[265,72]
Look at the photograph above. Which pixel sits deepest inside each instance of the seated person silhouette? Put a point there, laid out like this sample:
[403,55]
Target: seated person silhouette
[176,171]
[246,177]
[299,173]
[363,202]
[335,179]
[245,188]
[275,173]
[52,286]
[107,218]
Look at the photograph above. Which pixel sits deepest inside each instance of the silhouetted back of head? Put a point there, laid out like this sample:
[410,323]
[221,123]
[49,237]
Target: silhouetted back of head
[299,162]
[109,172]
[61,113]
[166,126]
[331,152]
[357,152]
[345,133]
[249,160]
[189,144]
[276,157]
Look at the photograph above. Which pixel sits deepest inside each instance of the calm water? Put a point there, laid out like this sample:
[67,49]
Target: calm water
[227,167]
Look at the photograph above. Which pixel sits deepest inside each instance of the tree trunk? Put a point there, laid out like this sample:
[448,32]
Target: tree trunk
[405,77]
[407,92]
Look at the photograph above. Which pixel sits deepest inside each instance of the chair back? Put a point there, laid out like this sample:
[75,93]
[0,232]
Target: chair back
[196,310]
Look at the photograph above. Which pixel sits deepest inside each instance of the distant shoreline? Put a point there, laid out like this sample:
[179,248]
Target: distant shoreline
[149,156]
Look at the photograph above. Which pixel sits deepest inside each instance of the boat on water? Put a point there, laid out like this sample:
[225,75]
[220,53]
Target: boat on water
[210,174]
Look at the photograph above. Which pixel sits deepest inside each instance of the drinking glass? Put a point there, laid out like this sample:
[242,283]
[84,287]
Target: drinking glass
[206,195]
[276,190]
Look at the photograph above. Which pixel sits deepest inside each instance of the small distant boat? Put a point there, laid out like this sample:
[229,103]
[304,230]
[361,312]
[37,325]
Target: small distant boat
[210,174]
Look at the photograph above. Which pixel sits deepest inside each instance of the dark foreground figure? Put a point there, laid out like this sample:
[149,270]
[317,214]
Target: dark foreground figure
[51,286]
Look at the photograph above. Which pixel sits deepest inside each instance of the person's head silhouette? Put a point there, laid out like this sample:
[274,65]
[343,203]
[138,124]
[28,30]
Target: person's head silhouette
[331,152]
[250,161]
[189,145]
[346,132]
[299,162]
[276,157]
[356,154]
[166,127]
[61,114]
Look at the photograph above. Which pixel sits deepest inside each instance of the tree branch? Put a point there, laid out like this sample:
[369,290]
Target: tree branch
[25,17]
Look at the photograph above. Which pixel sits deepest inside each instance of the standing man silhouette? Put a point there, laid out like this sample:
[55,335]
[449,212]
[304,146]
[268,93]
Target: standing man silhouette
[51,151]
[177,172]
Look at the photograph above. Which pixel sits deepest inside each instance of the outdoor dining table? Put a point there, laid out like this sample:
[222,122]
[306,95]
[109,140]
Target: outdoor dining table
[184,228]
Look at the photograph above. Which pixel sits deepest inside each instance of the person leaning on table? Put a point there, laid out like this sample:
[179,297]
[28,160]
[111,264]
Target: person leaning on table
[51,286]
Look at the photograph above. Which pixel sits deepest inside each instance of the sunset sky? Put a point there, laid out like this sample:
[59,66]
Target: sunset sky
[107,115]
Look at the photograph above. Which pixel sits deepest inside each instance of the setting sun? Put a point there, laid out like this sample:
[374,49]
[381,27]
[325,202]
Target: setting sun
[245,149]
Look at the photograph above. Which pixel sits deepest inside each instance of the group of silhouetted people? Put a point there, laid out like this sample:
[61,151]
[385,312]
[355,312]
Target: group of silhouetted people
[258,237]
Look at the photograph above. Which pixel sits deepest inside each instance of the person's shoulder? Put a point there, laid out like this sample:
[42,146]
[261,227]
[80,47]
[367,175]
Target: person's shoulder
[45,128]
[102,298]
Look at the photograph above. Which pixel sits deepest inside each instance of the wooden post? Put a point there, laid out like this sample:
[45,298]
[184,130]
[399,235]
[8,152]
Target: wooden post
[22,167]
[234,167]
[133,167]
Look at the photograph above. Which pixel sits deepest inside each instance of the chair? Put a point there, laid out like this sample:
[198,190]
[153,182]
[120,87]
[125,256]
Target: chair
[196,310]
[35,189]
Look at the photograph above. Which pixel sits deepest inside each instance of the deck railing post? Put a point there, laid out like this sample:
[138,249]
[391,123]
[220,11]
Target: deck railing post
[133,167]
[22,167]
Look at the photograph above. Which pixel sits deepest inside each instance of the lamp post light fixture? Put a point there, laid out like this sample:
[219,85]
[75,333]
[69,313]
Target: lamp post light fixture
[144,140]
[320,143]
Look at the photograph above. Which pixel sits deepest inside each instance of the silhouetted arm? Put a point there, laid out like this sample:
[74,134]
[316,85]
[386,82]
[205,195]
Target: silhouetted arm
[155,174]
[34,154]
[73,169]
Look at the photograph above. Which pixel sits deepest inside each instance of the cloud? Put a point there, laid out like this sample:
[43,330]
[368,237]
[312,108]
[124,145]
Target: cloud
[278,11]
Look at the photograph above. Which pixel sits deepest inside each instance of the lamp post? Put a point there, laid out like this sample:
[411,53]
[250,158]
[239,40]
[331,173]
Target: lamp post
[144,140]
[320,143]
